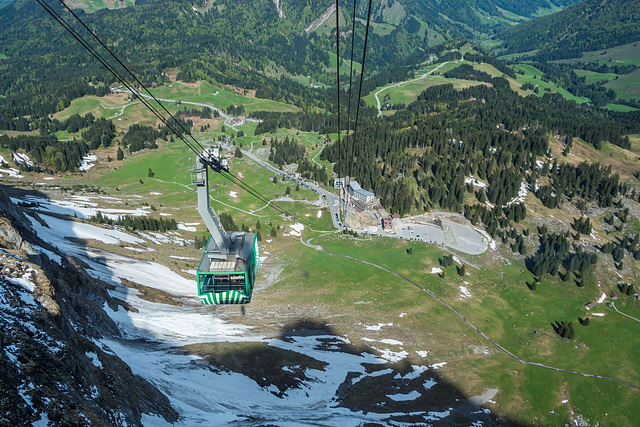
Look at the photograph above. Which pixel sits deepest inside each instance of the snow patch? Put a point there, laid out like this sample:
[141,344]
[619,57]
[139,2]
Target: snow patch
[464,292]
[296,229]
[377,327]
[522,194]
[401,397]
[87,162]
[429,383]
[475,182]
[185,227]
[22,159]
[422,353]
[11,172]
[94,359]
[51,255]
[417,371]
[436,270]
[602,298]
[438,365]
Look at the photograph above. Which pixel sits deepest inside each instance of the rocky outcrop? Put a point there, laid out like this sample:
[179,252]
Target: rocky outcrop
[54,364]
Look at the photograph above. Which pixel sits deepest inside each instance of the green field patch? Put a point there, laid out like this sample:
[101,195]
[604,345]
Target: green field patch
[379,28]
[620,108]
[626,86]
[63,135]
[534,76]
[394,14]
[91,6]
[206,93]
[447,67]
[592,77]
[345,67]
[504,307]
[433,37]
[330,23]
[100,107]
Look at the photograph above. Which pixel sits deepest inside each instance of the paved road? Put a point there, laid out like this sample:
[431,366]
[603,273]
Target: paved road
[616,309]
[476,329]
[451,234]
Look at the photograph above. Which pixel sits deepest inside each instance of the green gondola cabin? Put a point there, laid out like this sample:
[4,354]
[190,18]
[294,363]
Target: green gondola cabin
[228,282]
[227,270]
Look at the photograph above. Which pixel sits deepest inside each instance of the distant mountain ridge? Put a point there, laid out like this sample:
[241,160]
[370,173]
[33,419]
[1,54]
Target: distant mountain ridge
[587,26]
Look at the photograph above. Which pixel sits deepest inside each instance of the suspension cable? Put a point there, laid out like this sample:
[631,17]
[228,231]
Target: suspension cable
[129,71]
[364,53]
[145,102]
[353,40]
[338,63]
[108,66]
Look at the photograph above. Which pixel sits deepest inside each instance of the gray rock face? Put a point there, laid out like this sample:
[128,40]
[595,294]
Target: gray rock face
[52,364]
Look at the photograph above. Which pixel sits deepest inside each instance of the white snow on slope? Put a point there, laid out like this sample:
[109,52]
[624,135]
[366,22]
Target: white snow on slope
[475,182]
[59,229]
[403,397]
[151,338]
[522,194]
[87,162]
[21,158]
[80,206]
[464,292]
[51,255]
[185,227]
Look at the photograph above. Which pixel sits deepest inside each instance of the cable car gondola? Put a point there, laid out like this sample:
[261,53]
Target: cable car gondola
[227,270]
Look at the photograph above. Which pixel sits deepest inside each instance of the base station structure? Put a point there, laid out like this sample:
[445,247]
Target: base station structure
[227,270]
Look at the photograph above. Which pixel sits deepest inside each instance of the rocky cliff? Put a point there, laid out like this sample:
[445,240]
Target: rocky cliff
[53,365]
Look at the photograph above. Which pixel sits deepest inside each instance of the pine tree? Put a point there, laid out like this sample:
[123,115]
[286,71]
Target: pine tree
[120,154]
[462,270]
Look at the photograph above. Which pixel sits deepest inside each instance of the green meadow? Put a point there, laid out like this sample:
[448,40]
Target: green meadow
[501,305]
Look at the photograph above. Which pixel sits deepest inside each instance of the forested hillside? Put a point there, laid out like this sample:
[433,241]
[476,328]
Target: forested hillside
[590,25]
[419,157]
[249,44]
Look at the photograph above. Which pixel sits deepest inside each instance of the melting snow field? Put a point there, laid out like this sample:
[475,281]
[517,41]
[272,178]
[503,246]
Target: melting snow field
[464,292]
[88,162]
[295,230]
[206,396]
[80,206]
